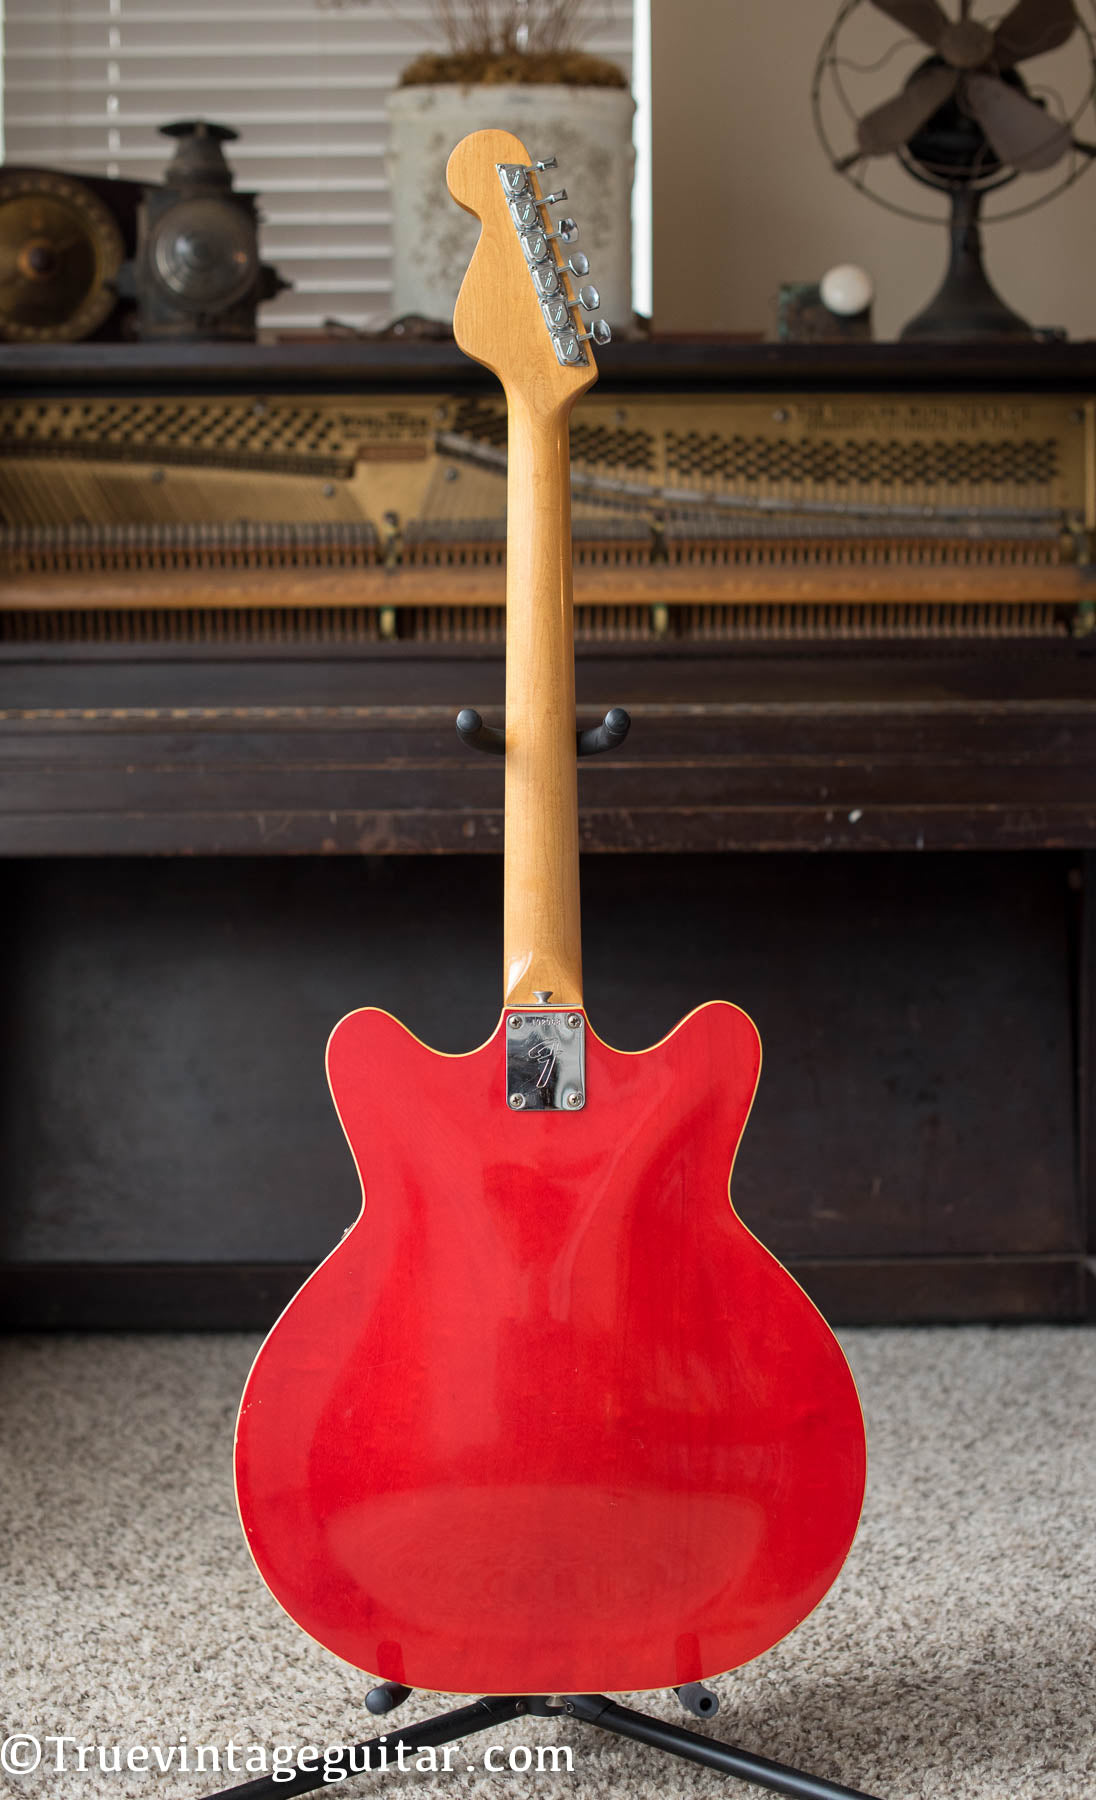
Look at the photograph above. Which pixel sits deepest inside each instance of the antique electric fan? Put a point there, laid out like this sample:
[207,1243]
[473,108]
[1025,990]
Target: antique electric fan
[964,121]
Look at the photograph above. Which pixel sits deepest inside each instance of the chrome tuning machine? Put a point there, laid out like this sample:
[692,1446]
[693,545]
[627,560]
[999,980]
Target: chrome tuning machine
[568,340]
[548,275]
[525,212]
[535,246]
[514,178]
[557,312]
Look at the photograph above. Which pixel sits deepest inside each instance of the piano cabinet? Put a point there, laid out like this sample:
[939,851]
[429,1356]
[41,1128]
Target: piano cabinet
[234,805]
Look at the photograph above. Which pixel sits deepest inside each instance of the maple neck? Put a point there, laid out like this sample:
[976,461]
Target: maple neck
[518,314]
[542,949]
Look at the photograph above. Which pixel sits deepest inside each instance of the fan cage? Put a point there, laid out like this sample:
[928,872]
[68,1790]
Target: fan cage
[829,63]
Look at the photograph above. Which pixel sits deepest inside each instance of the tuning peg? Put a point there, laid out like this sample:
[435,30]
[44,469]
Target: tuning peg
[545,278]
[554,199]
[548,163]
[589,297]
[535,246]
[566,231]
[524,212]
[599,332]
[557,313]
[568,348]
[578,264]
[515,179]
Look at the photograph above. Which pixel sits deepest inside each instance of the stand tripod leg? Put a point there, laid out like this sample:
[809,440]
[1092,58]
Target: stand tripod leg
[480,1716]
[595,1709]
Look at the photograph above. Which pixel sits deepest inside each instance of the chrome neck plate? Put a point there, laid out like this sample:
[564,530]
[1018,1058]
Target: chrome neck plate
[545,1061]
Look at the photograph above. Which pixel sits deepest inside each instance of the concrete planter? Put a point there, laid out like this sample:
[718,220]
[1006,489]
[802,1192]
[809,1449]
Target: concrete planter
[589,131]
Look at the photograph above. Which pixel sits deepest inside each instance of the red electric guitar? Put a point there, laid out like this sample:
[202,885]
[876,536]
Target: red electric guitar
[549,1419]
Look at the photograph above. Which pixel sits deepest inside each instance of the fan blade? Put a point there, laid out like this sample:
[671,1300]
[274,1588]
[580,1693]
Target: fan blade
[1020,132]
[1032,27]
[925,18]
[891,125]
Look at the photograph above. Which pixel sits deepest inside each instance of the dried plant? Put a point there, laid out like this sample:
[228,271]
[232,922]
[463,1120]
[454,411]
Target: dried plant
[509,41]
[506,27]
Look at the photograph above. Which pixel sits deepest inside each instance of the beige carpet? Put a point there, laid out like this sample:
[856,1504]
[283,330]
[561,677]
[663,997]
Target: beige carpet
[954,1660]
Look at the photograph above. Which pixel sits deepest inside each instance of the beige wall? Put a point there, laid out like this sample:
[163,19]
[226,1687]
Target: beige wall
[744,198]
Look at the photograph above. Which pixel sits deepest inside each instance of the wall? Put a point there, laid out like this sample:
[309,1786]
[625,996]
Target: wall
[744,198]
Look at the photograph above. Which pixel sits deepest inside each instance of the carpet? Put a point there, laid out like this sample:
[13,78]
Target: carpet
[955,1659]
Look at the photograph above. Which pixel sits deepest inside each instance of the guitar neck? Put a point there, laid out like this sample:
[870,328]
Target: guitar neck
[515,313]
[542,948]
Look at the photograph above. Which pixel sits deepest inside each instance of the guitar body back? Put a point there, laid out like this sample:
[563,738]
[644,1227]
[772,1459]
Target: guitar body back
[549,1419]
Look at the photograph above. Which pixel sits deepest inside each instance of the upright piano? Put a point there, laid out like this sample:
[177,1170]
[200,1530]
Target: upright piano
[846,593]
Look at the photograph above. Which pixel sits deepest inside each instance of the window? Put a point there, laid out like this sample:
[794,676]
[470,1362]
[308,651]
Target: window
[88,82]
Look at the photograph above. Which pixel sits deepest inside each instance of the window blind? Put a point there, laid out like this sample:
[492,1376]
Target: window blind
[86,84]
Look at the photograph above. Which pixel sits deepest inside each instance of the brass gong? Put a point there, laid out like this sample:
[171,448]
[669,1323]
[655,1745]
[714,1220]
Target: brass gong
[60,252]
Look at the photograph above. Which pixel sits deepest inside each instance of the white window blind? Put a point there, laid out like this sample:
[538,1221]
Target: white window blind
[86,83]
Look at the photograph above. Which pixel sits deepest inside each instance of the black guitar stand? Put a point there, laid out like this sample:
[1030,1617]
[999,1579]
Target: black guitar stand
[609,735]
[390,1752]
[331,1767]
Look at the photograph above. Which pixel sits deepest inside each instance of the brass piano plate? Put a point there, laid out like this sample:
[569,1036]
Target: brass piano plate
[719,515]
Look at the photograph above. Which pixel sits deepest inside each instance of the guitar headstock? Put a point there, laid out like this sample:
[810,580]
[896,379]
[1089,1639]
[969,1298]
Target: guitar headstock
[521,306]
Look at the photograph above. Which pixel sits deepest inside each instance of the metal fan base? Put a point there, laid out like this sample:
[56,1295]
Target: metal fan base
[967,307]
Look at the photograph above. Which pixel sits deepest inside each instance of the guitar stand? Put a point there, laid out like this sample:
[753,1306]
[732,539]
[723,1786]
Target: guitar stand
[609,735]
[387,1751]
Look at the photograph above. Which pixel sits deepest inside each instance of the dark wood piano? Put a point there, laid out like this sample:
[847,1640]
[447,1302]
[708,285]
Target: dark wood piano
[847,595]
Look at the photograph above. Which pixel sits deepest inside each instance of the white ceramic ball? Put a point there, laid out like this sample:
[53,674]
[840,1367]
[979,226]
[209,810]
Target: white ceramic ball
[846,289]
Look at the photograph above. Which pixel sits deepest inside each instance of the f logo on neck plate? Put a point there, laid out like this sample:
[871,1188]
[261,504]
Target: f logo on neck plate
[545,1061]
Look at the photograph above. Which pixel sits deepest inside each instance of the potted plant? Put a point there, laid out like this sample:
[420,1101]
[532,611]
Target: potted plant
[514,65]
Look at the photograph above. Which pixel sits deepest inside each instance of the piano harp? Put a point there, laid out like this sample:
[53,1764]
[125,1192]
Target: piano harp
[281,515]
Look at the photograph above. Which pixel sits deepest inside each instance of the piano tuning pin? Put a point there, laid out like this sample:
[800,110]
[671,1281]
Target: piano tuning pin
[578,264]
[599,332]
[589,297]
